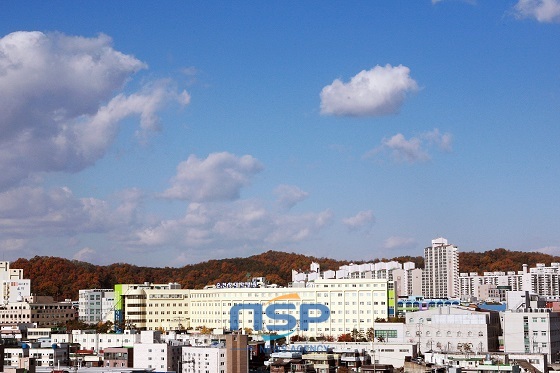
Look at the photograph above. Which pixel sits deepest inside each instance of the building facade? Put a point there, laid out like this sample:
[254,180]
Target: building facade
[96,305]
[440,278]
[453,328]
[207,358]
[153,353]
[532,331]
[351,303]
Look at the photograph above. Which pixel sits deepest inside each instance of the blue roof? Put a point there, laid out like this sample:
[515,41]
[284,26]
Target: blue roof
[492,306]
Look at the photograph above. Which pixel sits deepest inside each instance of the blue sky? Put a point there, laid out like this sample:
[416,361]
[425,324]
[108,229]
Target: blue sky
[164,134]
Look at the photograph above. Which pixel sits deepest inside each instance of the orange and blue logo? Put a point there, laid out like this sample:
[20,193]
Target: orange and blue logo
[283,323]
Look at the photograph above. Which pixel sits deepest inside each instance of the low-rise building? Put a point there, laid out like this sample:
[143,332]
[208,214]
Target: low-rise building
[453,328]
[532,331]
[118,357]
[152,353]
[208,358]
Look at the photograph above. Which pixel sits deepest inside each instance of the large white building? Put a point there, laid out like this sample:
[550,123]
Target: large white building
[350,303]
[440,278]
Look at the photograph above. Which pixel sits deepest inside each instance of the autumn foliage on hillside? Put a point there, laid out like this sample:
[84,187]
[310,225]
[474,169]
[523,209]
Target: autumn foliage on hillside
[62,278]
[502,260]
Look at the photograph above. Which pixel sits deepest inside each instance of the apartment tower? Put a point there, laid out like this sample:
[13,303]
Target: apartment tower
[440,278]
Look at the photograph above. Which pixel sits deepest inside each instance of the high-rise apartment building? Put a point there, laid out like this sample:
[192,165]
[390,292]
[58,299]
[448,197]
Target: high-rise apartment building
[440,278]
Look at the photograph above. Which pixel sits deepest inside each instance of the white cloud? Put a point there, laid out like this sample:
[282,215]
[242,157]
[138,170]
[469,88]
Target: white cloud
[13,244]
[30,212]
[363,219]
[85,255]
[234,226]
[290,195]
[442,140]
[550,250]
[58,110]
[375,92]
[219,177]
[546,11]
[414,149]
[395,242]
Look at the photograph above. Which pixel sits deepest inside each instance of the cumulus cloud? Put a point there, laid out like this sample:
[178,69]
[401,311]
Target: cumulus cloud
[59,111]
[362,220]
[375,92]
[289,195]
[546,11]
[234,225]
[414,149]
[395,242]
[33,211]
[219,177]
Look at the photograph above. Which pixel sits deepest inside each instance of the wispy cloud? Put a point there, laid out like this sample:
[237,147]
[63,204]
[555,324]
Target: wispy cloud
[546,11]
[414,149]
[85,255]
[396,242]
[375,92]
[289,195]
[362,220]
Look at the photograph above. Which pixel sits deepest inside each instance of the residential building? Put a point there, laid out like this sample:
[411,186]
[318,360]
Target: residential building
[542,280]
[532,330]
[41,310]
[95,342]
[44,356]
[203,358]
[153,353]
[440,278]
[96,305]
[407,278]
[118,357]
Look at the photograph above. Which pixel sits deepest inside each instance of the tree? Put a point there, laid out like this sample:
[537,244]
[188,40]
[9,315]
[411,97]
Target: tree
[104,327]
[297,338]
[248,331]
[357,335]
[370,334]
[204,330]
[346,337]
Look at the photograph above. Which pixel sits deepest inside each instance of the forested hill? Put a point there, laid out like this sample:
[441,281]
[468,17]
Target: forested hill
[62,278]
